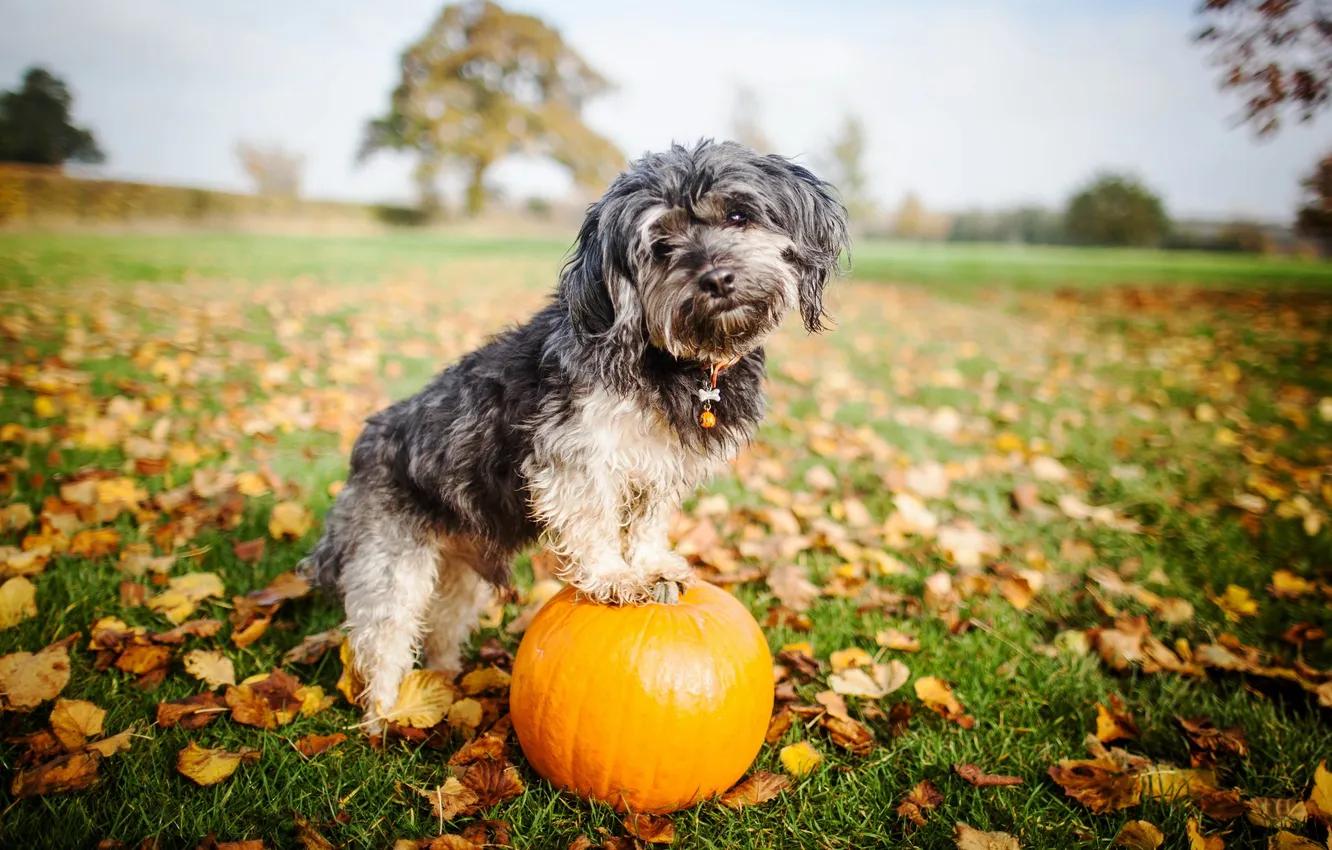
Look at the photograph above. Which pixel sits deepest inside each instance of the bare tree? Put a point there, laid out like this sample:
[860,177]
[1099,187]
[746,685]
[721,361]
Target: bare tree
[1275,53]
[844,165]
[276,172]
[746,120]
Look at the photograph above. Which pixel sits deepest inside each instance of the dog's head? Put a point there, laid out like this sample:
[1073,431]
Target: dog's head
[701,251]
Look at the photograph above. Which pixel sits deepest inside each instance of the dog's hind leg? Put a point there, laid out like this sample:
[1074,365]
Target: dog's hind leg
[461,595]
[387,588]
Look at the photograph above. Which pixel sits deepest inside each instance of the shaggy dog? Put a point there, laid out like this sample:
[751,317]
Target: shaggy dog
[588,425]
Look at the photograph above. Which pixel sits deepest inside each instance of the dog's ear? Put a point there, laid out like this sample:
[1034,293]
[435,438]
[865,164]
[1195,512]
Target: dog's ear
[582,281]
[819,229]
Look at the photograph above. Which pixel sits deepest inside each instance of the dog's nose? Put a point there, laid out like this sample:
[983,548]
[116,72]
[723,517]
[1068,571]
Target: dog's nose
[717,282]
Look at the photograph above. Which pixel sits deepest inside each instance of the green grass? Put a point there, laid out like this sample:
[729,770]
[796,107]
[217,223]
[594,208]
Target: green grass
[1095,378]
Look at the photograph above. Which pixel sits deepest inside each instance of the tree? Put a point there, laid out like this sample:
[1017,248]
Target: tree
[909,223]
[845,167]
[746,121]
[1115,210]
[1276,53]
[484,83]
[35,124]
[275,171]
[1314,219]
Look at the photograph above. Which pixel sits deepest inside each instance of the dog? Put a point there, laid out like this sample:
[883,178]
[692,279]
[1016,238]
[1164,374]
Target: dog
[587,426]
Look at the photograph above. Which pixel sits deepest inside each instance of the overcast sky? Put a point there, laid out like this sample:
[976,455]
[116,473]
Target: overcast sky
[968,103]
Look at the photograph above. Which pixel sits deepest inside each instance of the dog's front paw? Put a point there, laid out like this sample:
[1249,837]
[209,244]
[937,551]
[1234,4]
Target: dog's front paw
[621,585]
[663,564]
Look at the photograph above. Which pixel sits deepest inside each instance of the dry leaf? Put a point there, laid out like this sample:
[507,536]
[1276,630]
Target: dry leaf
[974,775]
[484,679]
[72,772]
[27,679]
[973,839]
[312,647]
[846,659]
[1289,841]
[1276,813]
[790,583]
[1236,603]
[1169,783]
[800,759]
[18,601]
[209,767]
[923,797]
[313,745]
[210,666]
[451,799]
[74,721]
[937,695]
[893,639]
[777,726]
[249,551]
[1198,841]
[1320,796]
[1208,744]
[290,520]
[465,714]
[493,781]
[1221,805]
[95,543]
[1099,784]
[1115,723]
[143,658]
[183,595]
[191,712]
[349,682]
[881,680]
[758,788]
[1139,835]
[652,829]
[113,744]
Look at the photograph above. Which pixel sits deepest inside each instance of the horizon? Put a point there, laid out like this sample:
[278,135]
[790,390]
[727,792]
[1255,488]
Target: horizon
[169,89]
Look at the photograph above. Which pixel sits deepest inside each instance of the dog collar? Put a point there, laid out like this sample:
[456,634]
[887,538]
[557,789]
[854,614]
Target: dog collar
[709,393]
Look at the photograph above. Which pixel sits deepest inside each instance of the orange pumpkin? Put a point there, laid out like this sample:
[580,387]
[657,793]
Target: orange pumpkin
[649,708]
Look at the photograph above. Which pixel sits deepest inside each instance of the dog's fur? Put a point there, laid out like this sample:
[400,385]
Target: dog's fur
[582,425]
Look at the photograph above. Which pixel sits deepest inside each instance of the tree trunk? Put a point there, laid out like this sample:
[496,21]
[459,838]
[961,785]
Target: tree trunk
[476,187]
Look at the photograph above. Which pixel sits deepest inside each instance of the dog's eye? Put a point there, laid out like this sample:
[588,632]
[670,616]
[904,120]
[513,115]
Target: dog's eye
[661,249]
[736,217]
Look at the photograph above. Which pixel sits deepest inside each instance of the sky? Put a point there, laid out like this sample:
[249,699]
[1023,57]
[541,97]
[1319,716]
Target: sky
[969,104]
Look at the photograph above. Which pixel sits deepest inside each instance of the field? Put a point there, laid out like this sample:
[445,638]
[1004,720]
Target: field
[1070,493]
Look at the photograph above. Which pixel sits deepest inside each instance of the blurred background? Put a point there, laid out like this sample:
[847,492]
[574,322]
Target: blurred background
[1176,125]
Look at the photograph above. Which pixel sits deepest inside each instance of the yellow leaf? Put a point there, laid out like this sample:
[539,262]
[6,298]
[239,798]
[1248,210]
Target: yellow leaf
[349,683]
[211,666]
[1172,784]
[28,679]
[251,484]
[423,699]
[1139,835]
[1289,841]
[799,759]
[1320,798]
[1236,603]
[450,799]
[74,721]
[209,767]
[291,520]
[465,714]
[18,601]
[114,490]
[1286,583]
[1198,841]
[183,594]
[484,679]
[845,659]
[95,543]
[113,744]
[967,838]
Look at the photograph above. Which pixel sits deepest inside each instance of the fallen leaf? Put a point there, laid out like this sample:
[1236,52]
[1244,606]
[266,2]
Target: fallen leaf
[290,520]
[1162,782]
[850,735]
[1276,812]
[1208,744]
[923,797]
[192,628]
[1099,784]
[309,838]
[267,701]
[29,679]
[484,679]
[423,699]
[1284,840]
[761,787]
[349,682]
[799,759]
[790,583]
[451,799]
[967,838]
[777,726]
[846,659]
[937,695]
[1139,835]
[652,829]
[113,744]
[72,772]
[74,721]
[881,680]
[1236,603]
[249,551]
[210,666]
[313,745]
[1115,723]
[191,712]
[465,714]
[183,595]
[893,639]
[1198,841]
[143,658]
[312,647]
[974,775]
[493,781]
[95,543]
[209,767]
[1221,805]
[1286,585]
[1320,796]
[18,601]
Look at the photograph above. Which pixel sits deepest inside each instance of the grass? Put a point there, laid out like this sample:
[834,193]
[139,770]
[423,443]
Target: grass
[1043,350]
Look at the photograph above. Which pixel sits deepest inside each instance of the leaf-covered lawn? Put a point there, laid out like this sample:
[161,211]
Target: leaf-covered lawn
[1048,563]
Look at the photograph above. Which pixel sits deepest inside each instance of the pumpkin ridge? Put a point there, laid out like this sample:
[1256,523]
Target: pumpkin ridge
[574,740]
[612,767]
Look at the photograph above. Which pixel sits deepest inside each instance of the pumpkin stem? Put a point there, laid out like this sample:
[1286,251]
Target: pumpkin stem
[666,592]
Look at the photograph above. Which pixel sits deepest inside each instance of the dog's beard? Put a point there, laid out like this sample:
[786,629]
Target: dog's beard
[692,324]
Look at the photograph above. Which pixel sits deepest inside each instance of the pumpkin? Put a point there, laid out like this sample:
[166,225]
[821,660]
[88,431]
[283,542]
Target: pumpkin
[649,708]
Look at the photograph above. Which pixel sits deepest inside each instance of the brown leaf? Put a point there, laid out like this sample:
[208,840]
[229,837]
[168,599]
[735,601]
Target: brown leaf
[488,833]
[973,839]
[308,837]
[142,659]
[937,695]
[250,633]
[283,587]
[1115,723]
[266,702]
[790,583]
[113,744]
[777,726]
[28,679]
[850,735]
[1276,812]
[923,797]
[652,829]
[1099,784]
[95,543]
[493,781]
[761,787]
[312,647]
[132,594]
[973,774]
[1289,841]
[72,772]
[191,712]
[312,745]
[484,748]
[451,799]
[1221,805]
[249,551]
[1208,744]
[203,628]
[1139,835]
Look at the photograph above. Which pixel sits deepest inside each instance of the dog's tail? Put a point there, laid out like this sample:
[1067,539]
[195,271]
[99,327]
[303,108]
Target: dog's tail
[323,566]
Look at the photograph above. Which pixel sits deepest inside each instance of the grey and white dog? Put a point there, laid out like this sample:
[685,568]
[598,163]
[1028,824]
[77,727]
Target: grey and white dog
[585,426]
